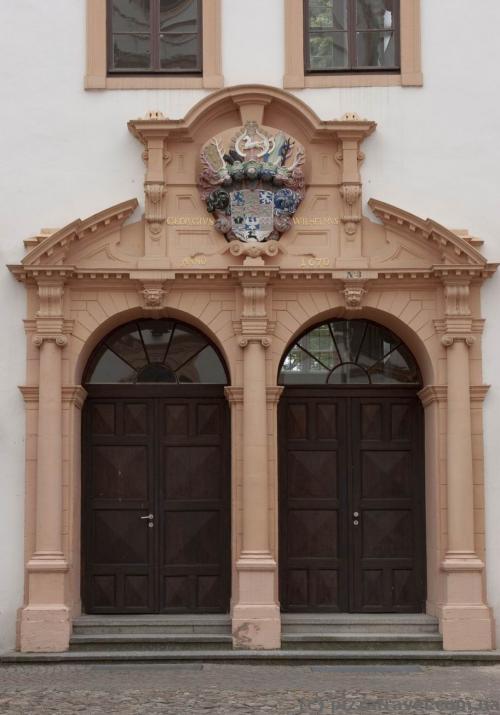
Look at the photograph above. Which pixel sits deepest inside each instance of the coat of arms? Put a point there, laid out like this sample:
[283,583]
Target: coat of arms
[254,188]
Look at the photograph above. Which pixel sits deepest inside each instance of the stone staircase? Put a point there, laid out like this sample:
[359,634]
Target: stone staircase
[306,639]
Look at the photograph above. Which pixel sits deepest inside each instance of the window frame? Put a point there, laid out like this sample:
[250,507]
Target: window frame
[98,77]
[297,77]
[154,45]
[351,32]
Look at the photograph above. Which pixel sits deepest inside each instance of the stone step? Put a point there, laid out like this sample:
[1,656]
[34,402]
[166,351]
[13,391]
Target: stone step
[362,641]
[152,624]
[150,642]
[335,623]
[286,657]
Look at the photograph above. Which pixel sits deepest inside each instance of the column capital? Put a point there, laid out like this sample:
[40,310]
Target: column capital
[449,339]
[58,338]
[264,340]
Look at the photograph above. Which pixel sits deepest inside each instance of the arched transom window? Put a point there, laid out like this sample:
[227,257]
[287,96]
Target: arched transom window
[163,351]
[349,352]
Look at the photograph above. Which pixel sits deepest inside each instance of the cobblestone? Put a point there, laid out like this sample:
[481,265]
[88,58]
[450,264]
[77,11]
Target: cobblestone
[257,690]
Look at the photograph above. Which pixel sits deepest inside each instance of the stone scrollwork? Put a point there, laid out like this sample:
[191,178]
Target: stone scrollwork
[60,340]
[448,340]
[351,194]
[155,215]
[254,250]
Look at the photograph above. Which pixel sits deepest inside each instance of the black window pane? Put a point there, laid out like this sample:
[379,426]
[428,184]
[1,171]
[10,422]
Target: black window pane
[156,335]
[375,14]
[130,15]
[328,51]
[375,49]
[178,15]
[127,344]
[156,373]
[186,343]
[131,51]
[206,368]
[110,369]
[328,14]
[179,52]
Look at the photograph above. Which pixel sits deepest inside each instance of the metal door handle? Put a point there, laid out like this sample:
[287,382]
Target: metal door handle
[149,517]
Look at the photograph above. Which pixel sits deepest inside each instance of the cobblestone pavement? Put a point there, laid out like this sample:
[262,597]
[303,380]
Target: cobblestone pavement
[241,689]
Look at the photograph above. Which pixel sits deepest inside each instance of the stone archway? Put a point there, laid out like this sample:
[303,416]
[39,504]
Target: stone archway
[412,275]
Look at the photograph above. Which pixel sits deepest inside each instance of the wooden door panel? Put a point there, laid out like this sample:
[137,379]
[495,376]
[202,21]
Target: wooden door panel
[313,567]
[343,451]
[387,493]
[194,506]
[167,457]
[119,546]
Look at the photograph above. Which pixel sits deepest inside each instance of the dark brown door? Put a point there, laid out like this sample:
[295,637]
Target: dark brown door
[352,527]
[156,529]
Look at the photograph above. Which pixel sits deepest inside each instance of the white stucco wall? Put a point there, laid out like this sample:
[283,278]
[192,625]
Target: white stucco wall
[66,153]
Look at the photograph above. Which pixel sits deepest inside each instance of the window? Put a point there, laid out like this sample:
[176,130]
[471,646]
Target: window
[352,43]
[154,44]
[156,351]
[154,36]
[351,35]
[349,352]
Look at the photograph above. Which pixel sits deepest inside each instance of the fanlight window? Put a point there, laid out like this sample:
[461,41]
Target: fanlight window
[349,352]
[156,351]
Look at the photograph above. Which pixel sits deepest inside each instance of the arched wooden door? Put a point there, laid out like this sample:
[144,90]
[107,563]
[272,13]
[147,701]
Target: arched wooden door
[352,518]
[156,481]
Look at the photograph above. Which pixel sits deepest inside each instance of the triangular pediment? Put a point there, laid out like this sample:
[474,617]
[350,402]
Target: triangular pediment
[61,246]
[411,240]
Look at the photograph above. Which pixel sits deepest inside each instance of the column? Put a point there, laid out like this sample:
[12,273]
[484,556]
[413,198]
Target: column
[466,622]
[256,616]
[45,622]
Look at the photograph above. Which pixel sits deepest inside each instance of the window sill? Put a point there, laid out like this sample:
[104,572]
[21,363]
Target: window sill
[142,82]
[353,80]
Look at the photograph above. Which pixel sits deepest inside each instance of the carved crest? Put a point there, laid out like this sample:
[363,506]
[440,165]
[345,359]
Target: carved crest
[254,188]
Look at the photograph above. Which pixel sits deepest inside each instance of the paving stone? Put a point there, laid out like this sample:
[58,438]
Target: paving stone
[256,690]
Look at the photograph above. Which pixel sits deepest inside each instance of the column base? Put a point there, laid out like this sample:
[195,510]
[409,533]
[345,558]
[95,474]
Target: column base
[466,622]
[44,629]
[467,628]
[256,627]
[256,620]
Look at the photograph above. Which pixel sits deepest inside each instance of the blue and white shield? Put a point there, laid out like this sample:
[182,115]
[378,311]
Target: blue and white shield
[252,214]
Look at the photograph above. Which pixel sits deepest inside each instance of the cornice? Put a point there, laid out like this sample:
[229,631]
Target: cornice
[71,394]
[76,230]
[396,218]
[439,393]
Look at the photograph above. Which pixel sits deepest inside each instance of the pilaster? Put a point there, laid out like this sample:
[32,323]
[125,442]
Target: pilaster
[45,624]
[466,621]
[256,616]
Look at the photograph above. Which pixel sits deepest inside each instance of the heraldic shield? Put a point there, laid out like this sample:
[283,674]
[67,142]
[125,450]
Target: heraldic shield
[254,188]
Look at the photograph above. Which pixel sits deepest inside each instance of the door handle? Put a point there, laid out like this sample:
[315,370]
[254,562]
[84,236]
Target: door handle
[356,518]
[149,517]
